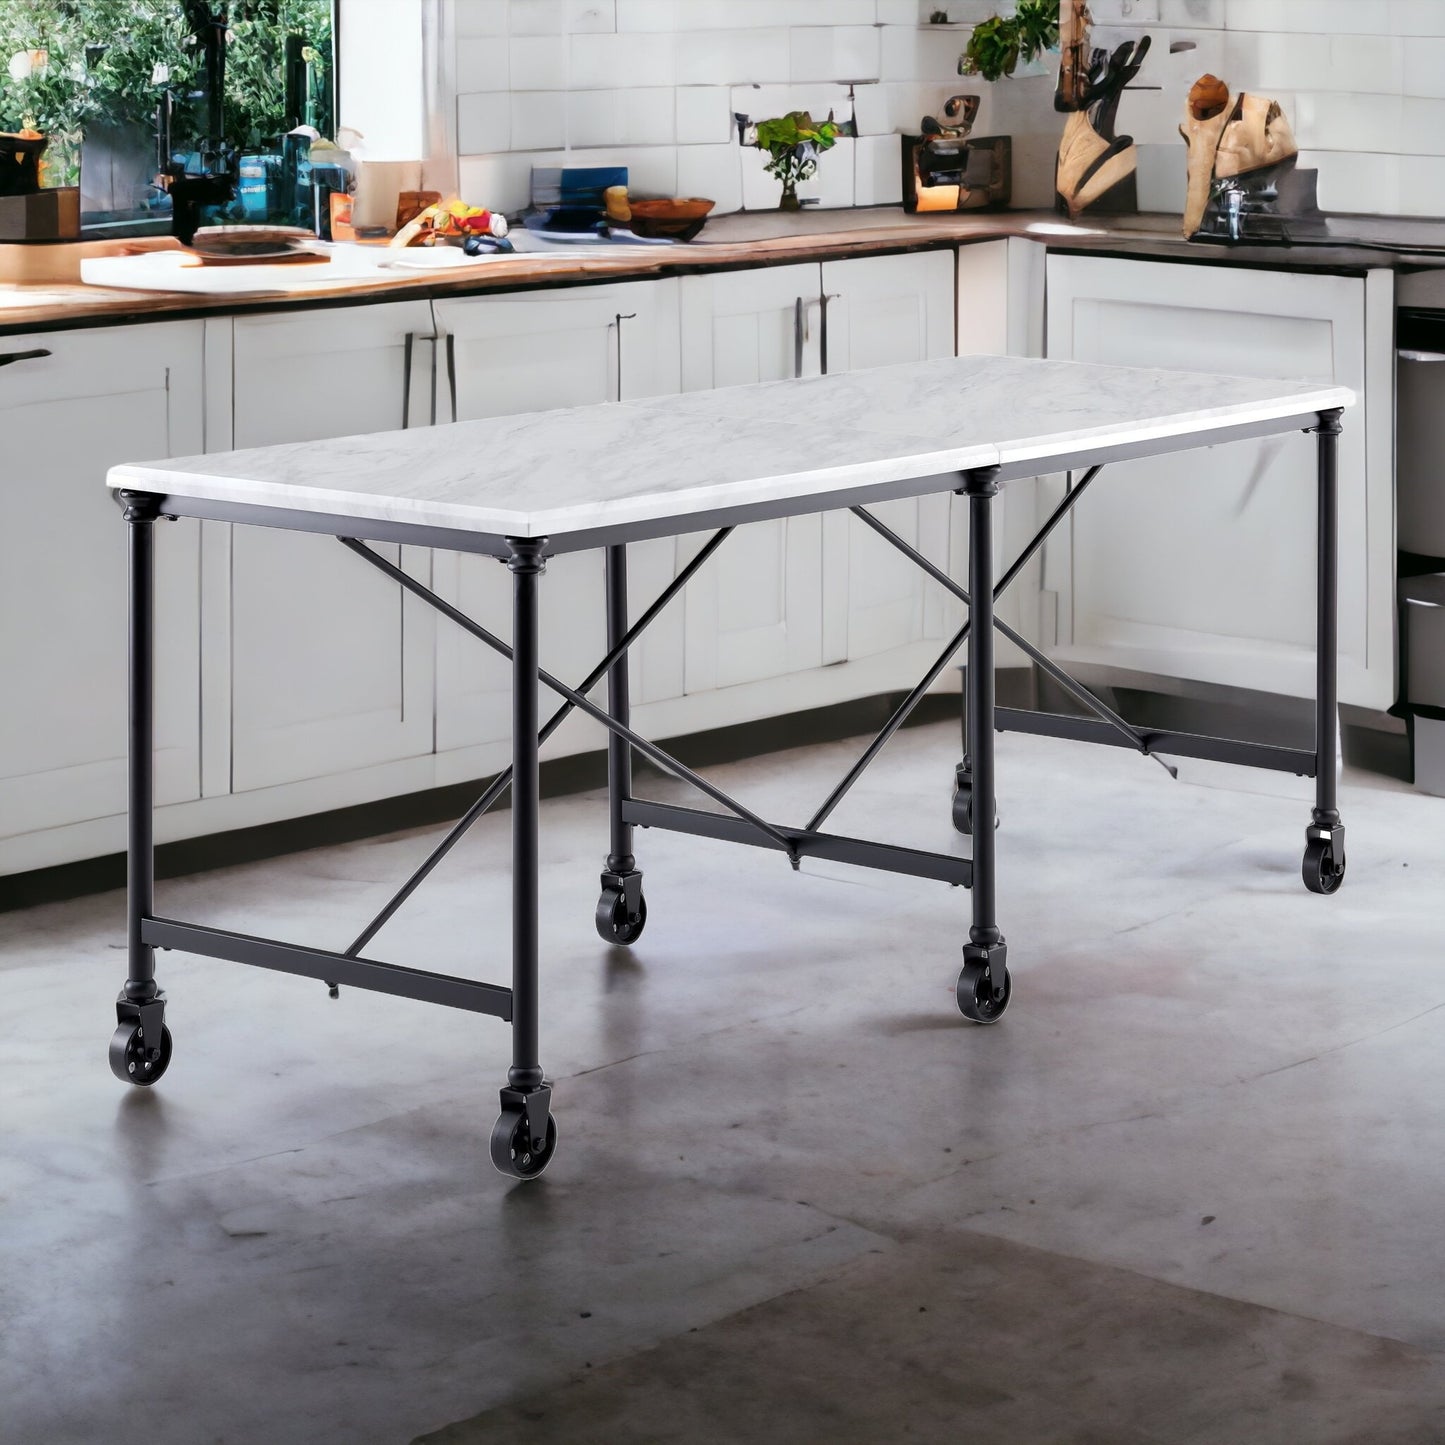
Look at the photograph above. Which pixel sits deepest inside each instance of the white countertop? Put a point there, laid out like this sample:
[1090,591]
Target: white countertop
[675,462]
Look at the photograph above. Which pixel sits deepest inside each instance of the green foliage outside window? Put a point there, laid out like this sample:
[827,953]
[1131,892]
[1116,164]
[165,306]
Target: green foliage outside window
[108,62]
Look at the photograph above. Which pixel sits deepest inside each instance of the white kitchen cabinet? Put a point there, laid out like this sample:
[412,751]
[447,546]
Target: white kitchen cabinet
[328,666]
[1202,566]
[532,351]
[882,311]
[94,399]
[755,609]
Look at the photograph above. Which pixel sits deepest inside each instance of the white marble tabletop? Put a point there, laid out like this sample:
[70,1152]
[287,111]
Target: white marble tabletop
[670,462]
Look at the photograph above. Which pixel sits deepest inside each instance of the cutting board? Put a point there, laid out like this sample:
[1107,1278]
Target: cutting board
[180,271]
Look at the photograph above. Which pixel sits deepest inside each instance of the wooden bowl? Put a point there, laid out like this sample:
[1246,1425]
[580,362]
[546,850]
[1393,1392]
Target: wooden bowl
[682,216]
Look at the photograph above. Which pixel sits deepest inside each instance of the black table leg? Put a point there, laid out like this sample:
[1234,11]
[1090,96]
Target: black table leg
[983,985]
[1324,861]
[140,1048]
[621,910]
[525,1135]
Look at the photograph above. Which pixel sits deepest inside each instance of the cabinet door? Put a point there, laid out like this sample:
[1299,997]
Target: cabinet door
[755,609]
[1202,564]
[97,398]
[531,352]
[886,310]
[331,665]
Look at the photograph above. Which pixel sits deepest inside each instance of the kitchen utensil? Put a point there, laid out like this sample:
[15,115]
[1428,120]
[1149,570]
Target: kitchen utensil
[682,217]
[251,245]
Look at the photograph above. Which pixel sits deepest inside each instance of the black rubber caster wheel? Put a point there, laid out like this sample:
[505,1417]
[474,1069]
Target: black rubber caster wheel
[963,809]
[1321,872]
[512,1150]
[613,923]
[128,1058]
[975,994]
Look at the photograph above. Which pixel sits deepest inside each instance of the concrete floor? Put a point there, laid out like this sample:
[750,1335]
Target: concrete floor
[1189,1190]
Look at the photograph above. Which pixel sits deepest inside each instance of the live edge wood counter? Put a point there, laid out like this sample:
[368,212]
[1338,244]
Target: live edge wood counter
[749,239]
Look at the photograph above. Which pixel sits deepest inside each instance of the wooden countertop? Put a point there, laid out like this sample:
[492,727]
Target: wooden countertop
[754,238]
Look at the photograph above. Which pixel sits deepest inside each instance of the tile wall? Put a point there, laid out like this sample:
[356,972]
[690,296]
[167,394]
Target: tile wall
[653,84]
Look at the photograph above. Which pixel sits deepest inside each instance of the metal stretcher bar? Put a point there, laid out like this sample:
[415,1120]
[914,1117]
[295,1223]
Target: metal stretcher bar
[862,852]
[1299,761]
[391,978]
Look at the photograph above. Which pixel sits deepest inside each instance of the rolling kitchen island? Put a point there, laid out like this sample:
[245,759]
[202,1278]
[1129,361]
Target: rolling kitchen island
[524,488]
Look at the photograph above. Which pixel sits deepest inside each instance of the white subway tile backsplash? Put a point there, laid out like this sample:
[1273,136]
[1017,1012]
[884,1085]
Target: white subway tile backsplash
[537,17]
[538,62]
[836,52]
[653,84]
[714,172]
[647,116]
[609,62]
[722,57]
[593,118]
[481,17]
[1271,63]
[704,114]
[1421,185]
[482,64]
[1417,17]
[539,119]
[1124,12]
[1424,68]
[1309,17]
[1422,127]
[484,123]
[501,182]
[583,17]
[1205,14]
[826,12]
[648,15]
[878,170]
[1162,176]
[920,53]
[1357,181]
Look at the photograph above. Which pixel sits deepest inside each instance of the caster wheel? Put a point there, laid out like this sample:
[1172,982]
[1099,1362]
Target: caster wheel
[128,1061]
[963,809]
[613,923]
[512,1150]
[1320,871]
[975,995]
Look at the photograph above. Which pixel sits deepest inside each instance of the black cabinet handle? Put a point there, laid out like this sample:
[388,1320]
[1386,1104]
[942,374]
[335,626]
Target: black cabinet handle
[621,316]
[9,358]
[406,380]
[823,329]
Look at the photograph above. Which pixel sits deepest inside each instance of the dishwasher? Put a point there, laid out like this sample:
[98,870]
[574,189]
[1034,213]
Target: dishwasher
[1420,535]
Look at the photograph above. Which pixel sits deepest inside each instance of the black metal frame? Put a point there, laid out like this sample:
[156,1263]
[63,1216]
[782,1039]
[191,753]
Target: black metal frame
[527,1094]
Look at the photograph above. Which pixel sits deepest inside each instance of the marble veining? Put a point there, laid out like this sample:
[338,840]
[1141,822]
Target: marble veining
[812,442]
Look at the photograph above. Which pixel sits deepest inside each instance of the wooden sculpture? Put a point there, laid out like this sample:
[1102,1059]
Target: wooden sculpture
[1248,137]
[1096,166]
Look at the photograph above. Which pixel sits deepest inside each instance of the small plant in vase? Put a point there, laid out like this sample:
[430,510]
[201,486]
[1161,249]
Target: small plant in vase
[795,141]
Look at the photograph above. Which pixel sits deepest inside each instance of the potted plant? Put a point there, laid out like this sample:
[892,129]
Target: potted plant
[998,44]
[795,141]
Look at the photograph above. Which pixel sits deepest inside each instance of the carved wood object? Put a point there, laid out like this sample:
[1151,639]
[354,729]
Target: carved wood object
[1229,137]
[1096,166]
